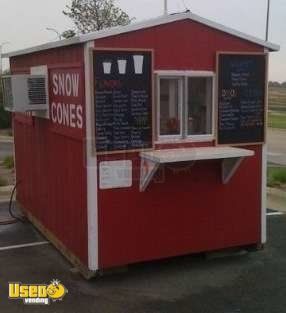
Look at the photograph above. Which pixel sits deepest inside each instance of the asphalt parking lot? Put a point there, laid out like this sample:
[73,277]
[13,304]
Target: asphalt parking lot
[248,282]
[276,146]
[7,148]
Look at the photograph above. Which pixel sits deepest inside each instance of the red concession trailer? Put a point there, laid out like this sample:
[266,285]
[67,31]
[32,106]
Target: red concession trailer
[152,143]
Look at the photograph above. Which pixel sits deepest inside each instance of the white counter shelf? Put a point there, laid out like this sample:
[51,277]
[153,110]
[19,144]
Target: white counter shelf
[231,159]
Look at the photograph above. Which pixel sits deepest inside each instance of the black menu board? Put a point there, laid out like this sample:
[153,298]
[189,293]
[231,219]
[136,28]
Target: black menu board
[241,98]
[123,100]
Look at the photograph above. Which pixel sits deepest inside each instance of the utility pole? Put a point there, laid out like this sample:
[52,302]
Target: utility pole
[165,7]
[1,48]
[267,20]
[55,31]
[1,71]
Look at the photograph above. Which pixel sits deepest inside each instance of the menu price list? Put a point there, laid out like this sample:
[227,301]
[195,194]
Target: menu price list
[241,98]
[123,104]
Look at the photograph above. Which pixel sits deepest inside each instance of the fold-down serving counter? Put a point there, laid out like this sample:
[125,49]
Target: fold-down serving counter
[231,159]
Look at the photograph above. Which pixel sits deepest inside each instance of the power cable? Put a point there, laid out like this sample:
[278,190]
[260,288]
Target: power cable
[14,218]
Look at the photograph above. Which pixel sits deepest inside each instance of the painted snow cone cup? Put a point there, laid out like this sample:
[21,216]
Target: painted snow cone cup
[122,66]
[138,63]
[106,67]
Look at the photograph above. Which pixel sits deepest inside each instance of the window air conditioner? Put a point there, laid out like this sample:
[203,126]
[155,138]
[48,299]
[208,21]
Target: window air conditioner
[23,93]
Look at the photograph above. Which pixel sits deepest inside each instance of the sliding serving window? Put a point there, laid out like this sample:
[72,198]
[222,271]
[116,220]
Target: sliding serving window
[185,106]
[170,108]
[200,105]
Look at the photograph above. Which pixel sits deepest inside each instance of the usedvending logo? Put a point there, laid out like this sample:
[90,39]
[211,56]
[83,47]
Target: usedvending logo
[37,294]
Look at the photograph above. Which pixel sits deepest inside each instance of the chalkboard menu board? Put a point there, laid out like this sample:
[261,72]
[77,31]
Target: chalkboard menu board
[241,98]
[123,100]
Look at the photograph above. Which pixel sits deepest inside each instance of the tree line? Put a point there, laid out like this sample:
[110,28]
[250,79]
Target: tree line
[277,84]
[5,117]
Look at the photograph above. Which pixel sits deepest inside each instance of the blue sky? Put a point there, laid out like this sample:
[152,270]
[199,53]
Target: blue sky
[23,23]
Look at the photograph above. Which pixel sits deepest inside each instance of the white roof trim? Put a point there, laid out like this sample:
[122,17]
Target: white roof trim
[142,25]
[50,45]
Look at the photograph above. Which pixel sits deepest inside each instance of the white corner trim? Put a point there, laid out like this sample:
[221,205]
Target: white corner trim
[264,175]
[161,20]
[91,167]
[264,195]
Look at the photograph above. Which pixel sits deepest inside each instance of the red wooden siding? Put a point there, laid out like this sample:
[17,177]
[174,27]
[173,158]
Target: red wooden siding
[63,55]
[50,158]
[183,45]
[191,210]
[187,210]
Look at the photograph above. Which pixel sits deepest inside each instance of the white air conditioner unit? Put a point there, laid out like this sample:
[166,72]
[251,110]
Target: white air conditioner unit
[23,93]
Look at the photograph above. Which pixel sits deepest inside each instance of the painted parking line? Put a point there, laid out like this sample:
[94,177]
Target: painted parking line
[274,153]
[33,244]
[274,213]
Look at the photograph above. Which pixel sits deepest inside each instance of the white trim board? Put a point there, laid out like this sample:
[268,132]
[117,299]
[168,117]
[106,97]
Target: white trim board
[91,166]
[161,20]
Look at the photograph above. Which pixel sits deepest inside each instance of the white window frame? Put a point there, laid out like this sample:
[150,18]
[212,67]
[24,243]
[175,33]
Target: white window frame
[184,137]
[180,108]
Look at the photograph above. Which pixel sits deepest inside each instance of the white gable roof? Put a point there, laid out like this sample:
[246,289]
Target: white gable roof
[142,25]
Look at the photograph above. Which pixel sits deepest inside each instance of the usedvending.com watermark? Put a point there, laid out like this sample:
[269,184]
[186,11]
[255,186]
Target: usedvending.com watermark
[41,294]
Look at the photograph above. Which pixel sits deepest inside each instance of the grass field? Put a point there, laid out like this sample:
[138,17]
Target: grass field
[277,120]
[277,107]
[276,176]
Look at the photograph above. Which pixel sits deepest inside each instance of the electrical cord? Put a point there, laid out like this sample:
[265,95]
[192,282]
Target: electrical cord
[14,218]
[18,218]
